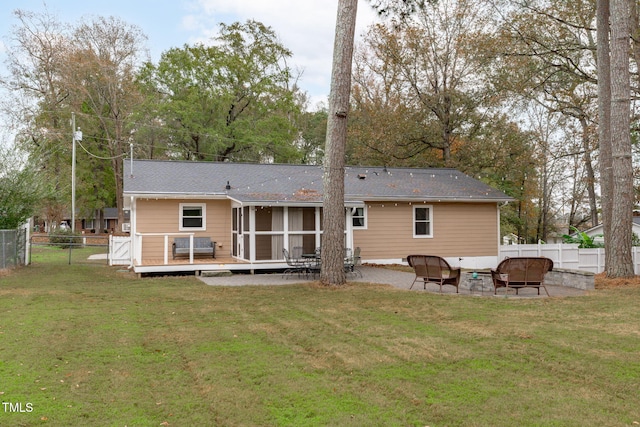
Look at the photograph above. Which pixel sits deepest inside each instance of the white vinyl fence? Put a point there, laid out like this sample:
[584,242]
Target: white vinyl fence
[567,256]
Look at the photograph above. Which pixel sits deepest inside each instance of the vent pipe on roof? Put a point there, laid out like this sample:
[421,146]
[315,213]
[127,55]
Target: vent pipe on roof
[228,187]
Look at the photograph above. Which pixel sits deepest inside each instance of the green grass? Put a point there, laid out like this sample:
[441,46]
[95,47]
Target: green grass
[53,254]
[88,345]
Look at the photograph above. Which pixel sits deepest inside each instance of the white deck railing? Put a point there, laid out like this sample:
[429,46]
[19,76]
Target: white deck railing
[139,242]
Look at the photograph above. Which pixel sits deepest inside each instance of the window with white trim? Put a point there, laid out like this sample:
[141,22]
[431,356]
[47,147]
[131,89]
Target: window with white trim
[422,221]
[193,216]
[359,218]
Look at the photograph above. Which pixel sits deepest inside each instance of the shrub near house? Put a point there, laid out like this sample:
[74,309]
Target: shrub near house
[583,239]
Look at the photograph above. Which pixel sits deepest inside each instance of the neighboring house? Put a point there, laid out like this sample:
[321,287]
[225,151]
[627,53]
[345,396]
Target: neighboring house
[510,239]
[86,223]
[254,211]
[109,221]
[598,230]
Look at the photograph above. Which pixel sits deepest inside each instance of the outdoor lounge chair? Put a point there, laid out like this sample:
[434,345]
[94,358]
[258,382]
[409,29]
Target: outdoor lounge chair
[434,269]
[521,272]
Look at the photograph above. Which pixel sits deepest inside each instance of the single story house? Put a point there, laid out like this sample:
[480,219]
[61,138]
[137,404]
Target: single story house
[597,232]
[254,211]
[109,221]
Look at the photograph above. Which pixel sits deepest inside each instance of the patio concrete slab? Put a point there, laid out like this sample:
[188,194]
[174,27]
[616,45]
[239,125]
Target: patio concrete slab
[385,276]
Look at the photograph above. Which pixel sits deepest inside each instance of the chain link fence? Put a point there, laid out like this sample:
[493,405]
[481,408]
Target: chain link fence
[13,248]
[69,248]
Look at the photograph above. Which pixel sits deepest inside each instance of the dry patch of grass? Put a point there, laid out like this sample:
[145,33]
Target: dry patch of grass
[396,267]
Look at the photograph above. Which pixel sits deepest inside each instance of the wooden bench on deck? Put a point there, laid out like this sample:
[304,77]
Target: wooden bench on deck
[201,245]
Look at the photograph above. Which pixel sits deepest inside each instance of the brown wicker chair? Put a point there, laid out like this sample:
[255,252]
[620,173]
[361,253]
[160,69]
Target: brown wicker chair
[434,269]
[521,272]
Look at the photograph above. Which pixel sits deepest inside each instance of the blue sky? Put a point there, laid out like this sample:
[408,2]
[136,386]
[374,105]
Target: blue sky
[305,26]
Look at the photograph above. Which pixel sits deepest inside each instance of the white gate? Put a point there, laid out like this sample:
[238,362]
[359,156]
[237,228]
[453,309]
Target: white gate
[119,250]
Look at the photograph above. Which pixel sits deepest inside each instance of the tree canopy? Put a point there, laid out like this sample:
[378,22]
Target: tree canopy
[22,189]
[233,100]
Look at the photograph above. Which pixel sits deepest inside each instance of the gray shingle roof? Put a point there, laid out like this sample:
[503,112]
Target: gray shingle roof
[300,183]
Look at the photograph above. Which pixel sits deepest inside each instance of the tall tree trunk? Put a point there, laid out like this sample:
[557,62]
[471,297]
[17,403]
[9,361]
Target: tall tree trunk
[332,272]
[604,121]
[541,229]
[635,33]
[577,195]
[99,226]
[591,177]
[622,206]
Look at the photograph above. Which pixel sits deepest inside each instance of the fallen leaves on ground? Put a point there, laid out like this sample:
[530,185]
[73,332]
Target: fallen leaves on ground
[603,282]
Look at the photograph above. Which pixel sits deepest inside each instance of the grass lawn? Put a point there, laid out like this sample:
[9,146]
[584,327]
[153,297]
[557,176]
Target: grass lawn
[88,345]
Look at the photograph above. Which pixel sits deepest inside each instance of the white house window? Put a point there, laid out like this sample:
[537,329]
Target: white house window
[359,218]
[422,221]
[193,216]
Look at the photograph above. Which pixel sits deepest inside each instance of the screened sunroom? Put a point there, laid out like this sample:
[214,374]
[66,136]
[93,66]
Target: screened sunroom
[260,233]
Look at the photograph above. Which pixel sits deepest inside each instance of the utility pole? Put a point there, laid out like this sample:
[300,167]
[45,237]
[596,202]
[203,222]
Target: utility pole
[73,174]
[77,136]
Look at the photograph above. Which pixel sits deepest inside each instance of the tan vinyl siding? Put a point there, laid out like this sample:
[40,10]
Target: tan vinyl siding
[459,230]
[163,216]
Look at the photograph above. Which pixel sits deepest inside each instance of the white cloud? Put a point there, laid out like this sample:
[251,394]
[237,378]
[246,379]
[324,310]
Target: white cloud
[306,27]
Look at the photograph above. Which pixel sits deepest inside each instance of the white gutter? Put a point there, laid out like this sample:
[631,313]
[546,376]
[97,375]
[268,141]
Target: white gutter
[405,199]
[176,195]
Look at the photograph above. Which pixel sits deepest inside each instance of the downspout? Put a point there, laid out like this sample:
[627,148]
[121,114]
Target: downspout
[499,205]
[349,224]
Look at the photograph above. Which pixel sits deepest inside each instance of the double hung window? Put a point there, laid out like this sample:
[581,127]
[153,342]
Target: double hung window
[422,221]
[193,216]
[359,218]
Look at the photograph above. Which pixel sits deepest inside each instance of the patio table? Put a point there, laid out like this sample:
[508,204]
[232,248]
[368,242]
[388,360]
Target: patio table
[479,282]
